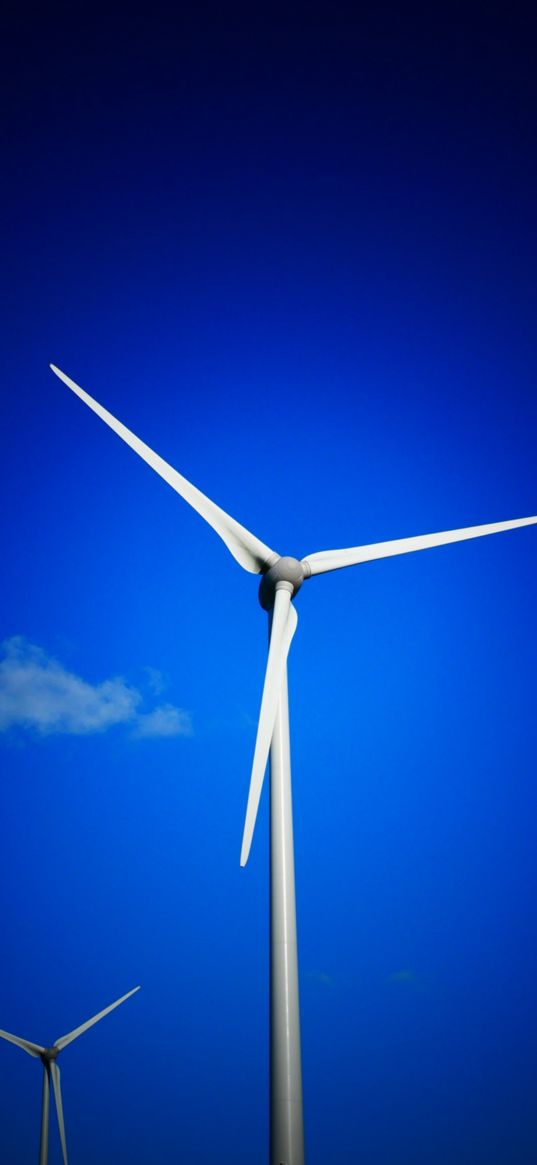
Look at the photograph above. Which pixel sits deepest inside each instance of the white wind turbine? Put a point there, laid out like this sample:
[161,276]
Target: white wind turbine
[48,1057]
[281,579]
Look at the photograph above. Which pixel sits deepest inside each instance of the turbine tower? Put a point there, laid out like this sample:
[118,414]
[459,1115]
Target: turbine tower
[281,579]
[48,1057]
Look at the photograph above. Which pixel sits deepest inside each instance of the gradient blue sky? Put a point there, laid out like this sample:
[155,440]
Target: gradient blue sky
[294,250]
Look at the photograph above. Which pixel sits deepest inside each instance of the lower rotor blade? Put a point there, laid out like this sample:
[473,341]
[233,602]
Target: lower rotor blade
[55,1073]
[62,1043]
[43,1145]
[284,623]
[325,560]
[32,1049]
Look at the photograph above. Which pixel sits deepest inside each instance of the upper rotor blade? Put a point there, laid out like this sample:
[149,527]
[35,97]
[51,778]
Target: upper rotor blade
[55,1073]
[32,1049]
[248,550]
[284,623]
[334,559]
[62,1043]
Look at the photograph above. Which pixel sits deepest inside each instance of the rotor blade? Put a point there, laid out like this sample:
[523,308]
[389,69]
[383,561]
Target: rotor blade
[248,550]
[32,1049]
[55,1073]
[334,559]
[64,1040]
[43,1143]
[284,622]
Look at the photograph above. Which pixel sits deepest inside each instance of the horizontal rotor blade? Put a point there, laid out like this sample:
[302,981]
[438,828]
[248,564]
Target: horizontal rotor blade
[32,1049]
[335,559]
[55,1073]
[248,550]
[284,623]
[64,1040]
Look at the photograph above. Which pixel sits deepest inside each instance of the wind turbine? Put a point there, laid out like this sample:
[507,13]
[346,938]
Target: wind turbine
[281,579]
[48,1057]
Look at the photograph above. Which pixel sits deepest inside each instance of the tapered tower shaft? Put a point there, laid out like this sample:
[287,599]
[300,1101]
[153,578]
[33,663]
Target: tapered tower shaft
[286,1120]
[45,1105]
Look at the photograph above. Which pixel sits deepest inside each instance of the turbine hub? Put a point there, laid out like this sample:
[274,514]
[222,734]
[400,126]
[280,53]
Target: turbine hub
[49,1054]
[286,569]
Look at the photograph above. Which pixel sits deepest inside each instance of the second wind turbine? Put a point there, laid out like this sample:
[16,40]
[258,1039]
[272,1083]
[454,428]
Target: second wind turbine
[282,577]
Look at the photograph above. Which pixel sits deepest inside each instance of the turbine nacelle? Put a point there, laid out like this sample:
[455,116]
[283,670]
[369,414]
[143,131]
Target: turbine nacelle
[285,569]
[49,1055]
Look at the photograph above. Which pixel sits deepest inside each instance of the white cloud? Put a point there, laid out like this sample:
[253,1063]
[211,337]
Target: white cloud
[405,976]
[164,721]
[156,681]
[39,693]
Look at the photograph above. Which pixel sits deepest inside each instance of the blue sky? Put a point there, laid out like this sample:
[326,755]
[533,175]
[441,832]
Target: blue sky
[294,252]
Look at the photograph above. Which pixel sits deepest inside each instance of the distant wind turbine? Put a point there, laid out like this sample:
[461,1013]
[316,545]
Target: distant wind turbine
[281,580]
[48,1057]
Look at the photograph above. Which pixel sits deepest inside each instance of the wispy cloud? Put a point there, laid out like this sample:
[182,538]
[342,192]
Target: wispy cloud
[406,976]
[156,681]
[322,978]
[166,720]
[39,694]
